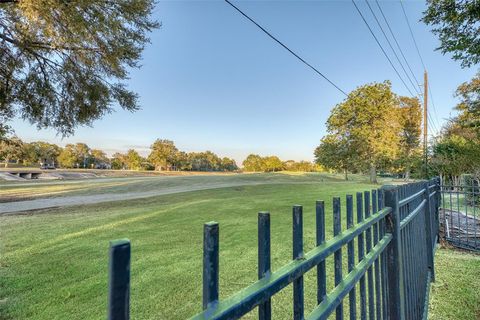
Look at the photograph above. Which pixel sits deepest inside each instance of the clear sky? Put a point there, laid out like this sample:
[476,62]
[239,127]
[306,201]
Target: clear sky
[211,80]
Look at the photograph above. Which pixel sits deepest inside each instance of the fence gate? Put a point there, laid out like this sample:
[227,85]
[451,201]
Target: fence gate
[460,214]
[389,250]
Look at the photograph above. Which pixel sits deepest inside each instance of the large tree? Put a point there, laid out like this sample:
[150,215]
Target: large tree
[456,25]
[11,149]
[133,160]
[41,152]
[368,121]
[272,164]
[254,163]
[75,155]
[64,63]
[99,158]
[119,161]
[163,154]
[456,151]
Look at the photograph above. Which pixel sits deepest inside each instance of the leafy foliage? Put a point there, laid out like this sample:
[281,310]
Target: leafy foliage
[334,153]
[163,154]
[372,129]
[133,160]
[410,120]
[456,25]
[11,149]
[40,152]
[469,106]
[455,152]
[64,63]
[364,128]
[75,156]
[256,163]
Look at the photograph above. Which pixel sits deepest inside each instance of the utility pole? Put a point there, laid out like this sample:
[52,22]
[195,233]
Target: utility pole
[425,120]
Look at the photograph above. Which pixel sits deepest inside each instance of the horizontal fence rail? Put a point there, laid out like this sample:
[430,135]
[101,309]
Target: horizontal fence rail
[389,270]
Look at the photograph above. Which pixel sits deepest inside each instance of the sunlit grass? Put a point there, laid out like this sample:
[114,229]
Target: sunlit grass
[54,264]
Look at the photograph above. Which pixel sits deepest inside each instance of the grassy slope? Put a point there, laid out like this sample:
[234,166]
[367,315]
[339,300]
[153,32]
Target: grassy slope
[12,191]
[55,263]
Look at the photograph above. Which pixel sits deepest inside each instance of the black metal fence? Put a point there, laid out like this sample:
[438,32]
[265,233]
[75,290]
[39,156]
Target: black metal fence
[388,275]
[460,215]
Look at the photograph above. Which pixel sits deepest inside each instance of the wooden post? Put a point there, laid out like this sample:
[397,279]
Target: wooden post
[396,293]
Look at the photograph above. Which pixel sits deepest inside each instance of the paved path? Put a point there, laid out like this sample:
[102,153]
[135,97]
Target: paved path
[7,208]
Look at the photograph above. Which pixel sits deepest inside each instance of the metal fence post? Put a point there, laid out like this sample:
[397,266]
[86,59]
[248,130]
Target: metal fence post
[437,209]
[119,280]
[264,309]
[210,264]
[396,293]
[298,306]
[429,219]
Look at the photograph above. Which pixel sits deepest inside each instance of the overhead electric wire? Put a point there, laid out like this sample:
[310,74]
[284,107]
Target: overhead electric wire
[420,56]
[285,47]
[432,124]
[411,33]
[396,42]
[381,47]
[433,104]
[415,88]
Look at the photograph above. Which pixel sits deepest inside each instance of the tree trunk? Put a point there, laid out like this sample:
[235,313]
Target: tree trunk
[6,162]
[407,174]
[373,174]
[346,175]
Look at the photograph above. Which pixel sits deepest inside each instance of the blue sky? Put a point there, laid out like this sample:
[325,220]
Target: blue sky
[212,81]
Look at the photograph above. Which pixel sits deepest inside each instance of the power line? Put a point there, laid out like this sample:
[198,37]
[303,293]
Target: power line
[433,104]
[420,56]
[396,42]
[285,47]
[391,47]
[381,47]
[431,123]
[411,33]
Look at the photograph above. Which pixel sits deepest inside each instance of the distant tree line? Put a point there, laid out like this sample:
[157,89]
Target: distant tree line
[256,163]
[163,156]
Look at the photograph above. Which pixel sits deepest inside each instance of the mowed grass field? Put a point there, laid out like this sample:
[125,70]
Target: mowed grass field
[54,262]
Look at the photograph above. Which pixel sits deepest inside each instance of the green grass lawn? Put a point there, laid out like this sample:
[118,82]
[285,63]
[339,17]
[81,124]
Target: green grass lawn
[54,263]
[456,291]
[11,191]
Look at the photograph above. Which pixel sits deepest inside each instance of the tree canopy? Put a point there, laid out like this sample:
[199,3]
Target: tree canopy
[256,163]
[456,25]
[455,152]
[163,154]
[64,63]
[366,123]
[12,148]
[371,129]
[469,106]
